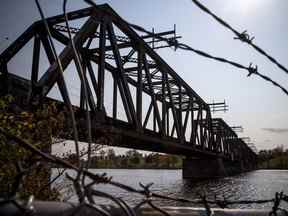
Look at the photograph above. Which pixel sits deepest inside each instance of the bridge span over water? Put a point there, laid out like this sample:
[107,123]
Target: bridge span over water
[134,96]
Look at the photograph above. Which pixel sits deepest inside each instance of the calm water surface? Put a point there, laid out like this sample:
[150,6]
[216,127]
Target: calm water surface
[260,184]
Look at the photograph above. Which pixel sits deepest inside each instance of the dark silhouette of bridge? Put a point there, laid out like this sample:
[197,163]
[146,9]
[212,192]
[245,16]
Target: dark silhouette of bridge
[150,107]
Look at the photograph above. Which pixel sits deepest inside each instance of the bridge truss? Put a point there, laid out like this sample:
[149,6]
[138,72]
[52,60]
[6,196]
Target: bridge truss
[161,112]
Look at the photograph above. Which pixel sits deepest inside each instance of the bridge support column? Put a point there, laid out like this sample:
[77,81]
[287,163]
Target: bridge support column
[200,168]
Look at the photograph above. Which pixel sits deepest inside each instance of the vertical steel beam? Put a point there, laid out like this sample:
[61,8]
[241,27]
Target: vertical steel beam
[35,61]
[124,88]
[82,90]
[180,114]
[91,74]
[3,68]
[5,87]
[114,99]
[211,141]
[168,119]
[154,119]
[172,104]
[164,106]
[101,67]
[91,101]
[192,137]
[153,97]
[196,126]
[140,85]
[186,118]
[201,135]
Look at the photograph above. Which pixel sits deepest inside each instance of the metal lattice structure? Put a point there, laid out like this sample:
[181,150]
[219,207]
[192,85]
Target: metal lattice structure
[176,121]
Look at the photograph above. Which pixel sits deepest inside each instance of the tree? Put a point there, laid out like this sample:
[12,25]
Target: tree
[124,162]
[38,127]
[111,157]
[111,154]
[275,158]
[134,157]
[174,160]
[149,159]
[102,154]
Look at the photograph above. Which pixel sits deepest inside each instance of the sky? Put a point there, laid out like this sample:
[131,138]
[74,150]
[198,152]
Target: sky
[256,105]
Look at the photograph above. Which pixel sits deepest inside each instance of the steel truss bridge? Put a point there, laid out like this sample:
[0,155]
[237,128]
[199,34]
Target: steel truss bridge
[150,106]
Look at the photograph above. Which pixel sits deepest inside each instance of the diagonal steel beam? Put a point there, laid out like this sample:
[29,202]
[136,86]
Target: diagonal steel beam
[127,98]
[153,97]
[51,75]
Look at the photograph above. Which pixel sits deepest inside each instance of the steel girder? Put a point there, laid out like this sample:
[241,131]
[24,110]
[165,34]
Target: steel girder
[176,111]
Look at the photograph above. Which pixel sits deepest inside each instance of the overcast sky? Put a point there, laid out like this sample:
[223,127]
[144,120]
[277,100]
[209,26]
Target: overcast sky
[253,103]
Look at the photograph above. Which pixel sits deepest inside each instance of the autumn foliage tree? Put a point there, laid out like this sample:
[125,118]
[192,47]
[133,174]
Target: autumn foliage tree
[38,127]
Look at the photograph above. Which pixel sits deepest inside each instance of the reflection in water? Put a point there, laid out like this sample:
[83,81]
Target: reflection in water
[261,184]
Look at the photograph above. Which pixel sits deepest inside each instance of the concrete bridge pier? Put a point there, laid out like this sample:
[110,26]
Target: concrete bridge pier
[204,168]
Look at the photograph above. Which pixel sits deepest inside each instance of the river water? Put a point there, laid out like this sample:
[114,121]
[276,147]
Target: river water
[260,184]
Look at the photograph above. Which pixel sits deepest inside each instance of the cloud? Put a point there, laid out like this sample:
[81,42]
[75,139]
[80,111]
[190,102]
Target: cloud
[276,130]
[267,140]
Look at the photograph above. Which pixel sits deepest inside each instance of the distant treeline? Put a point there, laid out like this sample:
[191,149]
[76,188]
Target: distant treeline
[133,159]
[276,158]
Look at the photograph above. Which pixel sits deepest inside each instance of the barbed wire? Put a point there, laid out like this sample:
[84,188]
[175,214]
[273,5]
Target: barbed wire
[61,72]
[243,36]
[85,192]
[251,69]
[83,83]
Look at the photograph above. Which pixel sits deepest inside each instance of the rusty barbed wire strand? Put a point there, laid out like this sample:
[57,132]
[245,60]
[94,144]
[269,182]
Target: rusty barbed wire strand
[83,82]
[83,190]
[251,69]
[52,181]
[99,179]
[244,36]
[148,199]
[123,206]
[60,173]
[61,71]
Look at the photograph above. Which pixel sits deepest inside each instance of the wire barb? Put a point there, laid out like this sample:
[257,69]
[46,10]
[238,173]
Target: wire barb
[244,37]
[85,192]
[252,70]
[61,71]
